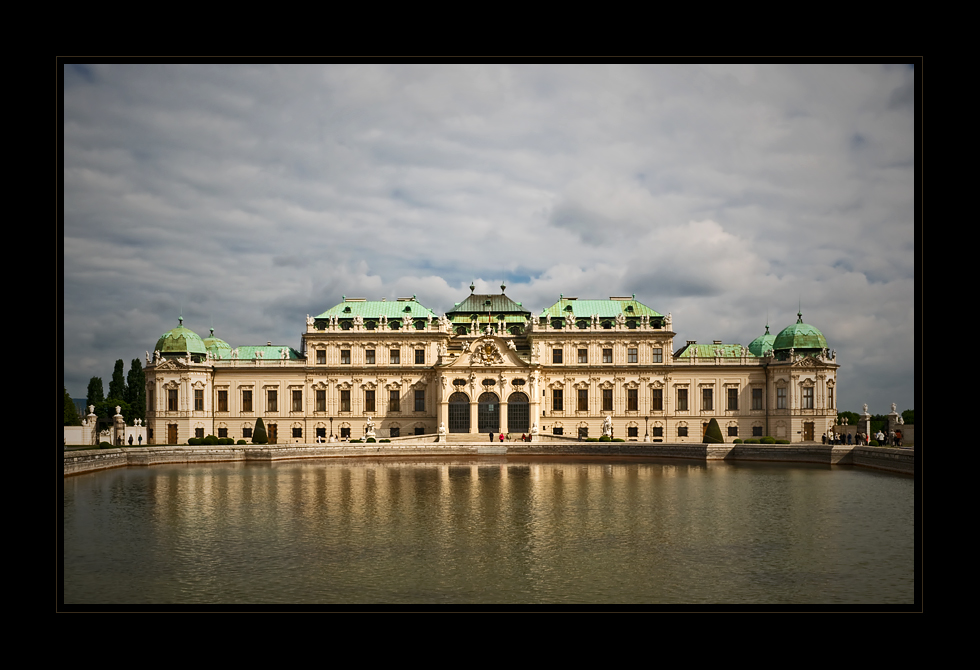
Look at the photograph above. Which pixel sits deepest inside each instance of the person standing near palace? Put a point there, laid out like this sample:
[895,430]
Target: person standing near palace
[491,436]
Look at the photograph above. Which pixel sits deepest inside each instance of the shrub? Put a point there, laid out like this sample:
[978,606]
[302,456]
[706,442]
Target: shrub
[751,440]
[355,441]
[258,435]
[712,435]
[605,438]
[782,441]
[105,445]
[768,440]
[211,439]
[384,440]
[618,439]
[370,440]
[241,442]
[737,440]
[874,443]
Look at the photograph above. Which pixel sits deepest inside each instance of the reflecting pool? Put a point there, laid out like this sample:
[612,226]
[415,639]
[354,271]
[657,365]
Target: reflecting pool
[489,530]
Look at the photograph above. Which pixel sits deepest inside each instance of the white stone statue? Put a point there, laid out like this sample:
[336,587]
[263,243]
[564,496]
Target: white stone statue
[369,427]
[283,354]
[147,357]
[234,353]
[620,319]
[511,345]
[607,426]
[893,408]
[156,356]
[865,406]
[309,320]
[667,321]
[569,320]
[406,322]
[534,428]
[442,431]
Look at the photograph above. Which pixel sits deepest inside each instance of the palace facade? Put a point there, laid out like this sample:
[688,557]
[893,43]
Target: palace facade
[489,365]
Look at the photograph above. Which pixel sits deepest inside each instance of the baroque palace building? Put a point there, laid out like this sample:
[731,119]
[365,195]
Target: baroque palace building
[397,369]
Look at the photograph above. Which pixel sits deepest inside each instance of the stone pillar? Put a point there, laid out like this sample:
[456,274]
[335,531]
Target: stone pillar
[864,423]
[119,429]
[503,416]
[474,416]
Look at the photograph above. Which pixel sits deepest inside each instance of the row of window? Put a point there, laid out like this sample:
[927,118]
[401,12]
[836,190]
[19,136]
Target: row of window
[297,432]
[658,431]
[394,357]
[657,399]
[632,355]
[557,400]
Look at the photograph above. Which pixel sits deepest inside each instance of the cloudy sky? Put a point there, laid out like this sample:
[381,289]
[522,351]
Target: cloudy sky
[247,197]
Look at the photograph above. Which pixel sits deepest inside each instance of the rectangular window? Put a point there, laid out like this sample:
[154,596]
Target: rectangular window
[171,400]
[297,432]
[420,431]
[607,355]
[682,431]
[395,357]
[681,400]
[808,398]
[556,355]
[733,431]
[707,399]
[756,431]
[321,433]
[756,398]
[394,401]
[557,400]
[149,401]
[369,401]
[345,432]
[198,432]
[658,400]
[246,432]
[222,401]
[658,431]
[297,401]
[631,355]
[420,401]
[345,356]
[830,397]
[583,400]
[606,400]
[369,357]
[222,432]
[583,355]
[658,355]
[199,400]
[780,398]
[247,402]
[733,399]
[583,433]
[321,356]
[394,432]
[632,431]
[557,431]
[420,356]
[632,400]
[345,401]
[273,401]
[321,400]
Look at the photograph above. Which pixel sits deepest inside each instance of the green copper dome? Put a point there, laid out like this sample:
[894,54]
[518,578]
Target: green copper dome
[799,336]
[218,347]
[760,345]
[180,340]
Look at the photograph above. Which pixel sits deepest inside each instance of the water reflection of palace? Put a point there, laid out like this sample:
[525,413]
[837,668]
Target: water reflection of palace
[394,369]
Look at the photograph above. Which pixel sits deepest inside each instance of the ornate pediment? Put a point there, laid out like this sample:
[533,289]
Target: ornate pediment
[171,364]
[488,351]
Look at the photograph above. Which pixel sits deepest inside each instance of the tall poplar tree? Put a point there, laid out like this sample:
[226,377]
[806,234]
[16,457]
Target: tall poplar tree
[71,412]
[94,395]
[117,387]
[136,390]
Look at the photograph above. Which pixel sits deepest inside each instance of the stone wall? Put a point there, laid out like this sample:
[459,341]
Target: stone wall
[890,460]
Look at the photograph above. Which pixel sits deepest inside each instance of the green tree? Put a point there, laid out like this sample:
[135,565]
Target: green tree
[71,414]
[258,435]
[852,418]
[712,435]
[95,394]
[107,409]
[136,390]
[908,416]
[117,387]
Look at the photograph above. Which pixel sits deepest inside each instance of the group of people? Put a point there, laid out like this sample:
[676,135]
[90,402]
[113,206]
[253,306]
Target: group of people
[863,439]
[524,437]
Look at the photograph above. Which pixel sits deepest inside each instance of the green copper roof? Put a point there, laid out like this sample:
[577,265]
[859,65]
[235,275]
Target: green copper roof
[180,340]
[216,346]
[375,309]
[481,303]
[269,352]
[761,344]
[710,351]
[800,336]
[604,308]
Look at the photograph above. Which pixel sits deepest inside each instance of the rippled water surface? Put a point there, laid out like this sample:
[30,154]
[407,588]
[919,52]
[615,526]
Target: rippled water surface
[489,530]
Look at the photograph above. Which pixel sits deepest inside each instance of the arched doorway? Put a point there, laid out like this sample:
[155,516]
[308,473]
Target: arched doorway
[518,413]
[459,413]
[488,414]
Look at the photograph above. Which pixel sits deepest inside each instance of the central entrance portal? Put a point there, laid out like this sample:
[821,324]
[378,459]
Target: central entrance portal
[488,414]
[518,413]
[459,413]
